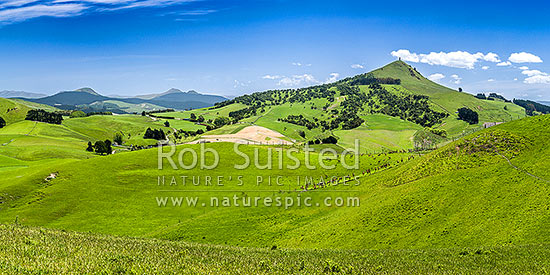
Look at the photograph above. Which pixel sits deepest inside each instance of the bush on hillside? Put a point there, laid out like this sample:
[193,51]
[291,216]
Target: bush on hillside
[78,114]
[118,138]
[468,115]
[157,134]
[103,147]
[2,122]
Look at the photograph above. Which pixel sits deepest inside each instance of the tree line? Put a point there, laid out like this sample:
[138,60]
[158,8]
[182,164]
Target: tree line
[44,116]
[531,107]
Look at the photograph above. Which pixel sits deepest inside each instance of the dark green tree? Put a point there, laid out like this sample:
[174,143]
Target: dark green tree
[118,138]
[90,147]
[2,122]
[100,147]
[468,115]
[167,123]
[108,148]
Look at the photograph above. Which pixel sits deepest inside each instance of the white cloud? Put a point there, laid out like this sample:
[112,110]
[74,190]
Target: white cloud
[14,11]
[524,57]
[485,68]
[533,73]
[523,68]
[516,79]
[457,59]
[332,77]
[456,79]
[436,77]
[406,55]
[491,57]
[490,80]
[300,64]
[23,13]
[267,76]
[504,63]
[297,80]
[357,66]
[538,79]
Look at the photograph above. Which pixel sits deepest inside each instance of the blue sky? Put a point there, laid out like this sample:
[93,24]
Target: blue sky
[130,47]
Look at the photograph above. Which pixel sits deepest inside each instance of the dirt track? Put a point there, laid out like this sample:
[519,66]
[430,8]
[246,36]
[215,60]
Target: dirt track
[249,135]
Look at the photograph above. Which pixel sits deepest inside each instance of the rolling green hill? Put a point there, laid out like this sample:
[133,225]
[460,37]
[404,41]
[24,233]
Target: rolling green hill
[396,97]
[489,189]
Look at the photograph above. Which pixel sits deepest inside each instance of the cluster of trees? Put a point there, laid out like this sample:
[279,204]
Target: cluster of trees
[157,134]
[157,111]
[44,116]
[188,133]
[492,96]
[243,113]
[300,120]
[218,122]
[531,107]
[325,140]
[468,115]
[100,147]
[2,122]
[367,79]
[99,114]
[414,108]
[194,118]
[259,100]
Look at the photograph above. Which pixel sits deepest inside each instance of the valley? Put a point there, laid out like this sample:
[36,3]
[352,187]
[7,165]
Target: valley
[435,192]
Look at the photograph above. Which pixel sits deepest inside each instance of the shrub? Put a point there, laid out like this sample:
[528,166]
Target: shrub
[468,115]
[78,114]
[2,122]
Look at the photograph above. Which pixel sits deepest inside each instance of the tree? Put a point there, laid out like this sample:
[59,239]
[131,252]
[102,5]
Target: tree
[193,117]
[78,114]
[90,147]
[167,123]
[302,133]
[108,148]
[100,147]
[221,121]
[2,122]
[468,115]
[460,89]
[118,138]
[200,119]
[154,134]
[143,113]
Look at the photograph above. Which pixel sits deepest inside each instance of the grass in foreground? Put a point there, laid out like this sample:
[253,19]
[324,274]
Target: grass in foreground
[26,250]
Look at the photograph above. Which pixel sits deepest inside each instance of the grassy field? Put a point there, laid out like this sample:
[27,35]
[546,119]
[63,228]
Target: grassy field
[27,250]
[441,200]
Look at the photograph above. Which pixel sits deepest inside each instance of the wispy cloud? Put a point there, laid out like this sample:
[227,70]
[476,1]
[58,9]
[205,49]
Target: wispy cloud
[12,15]
[14,11]
[357,66]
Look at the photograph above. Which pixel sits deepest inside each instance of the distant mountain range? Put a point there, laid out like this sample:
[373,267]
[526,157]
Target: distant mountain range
[12,94]
[88,100]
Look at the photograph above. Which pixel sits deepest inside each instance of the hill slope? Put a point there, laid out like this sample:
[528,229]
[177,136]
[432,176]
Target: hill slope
[494,191]
[402,104]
